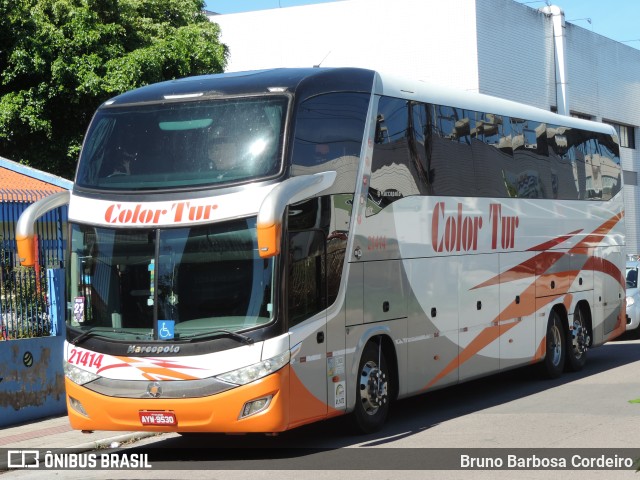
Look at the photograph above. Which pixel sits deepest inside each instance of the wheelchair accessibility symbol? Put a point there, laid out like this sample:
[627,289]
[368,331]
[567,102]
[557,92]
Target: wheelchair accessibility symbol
[166,329]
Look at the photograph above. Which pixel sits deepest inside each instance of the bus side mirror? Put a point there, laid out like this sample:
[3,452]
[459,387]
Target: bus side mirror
[25,237]
[271,213]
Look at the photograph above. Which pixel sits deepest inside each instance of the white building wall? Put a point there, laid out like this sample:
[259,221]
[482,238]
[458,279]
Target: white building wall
[497,47]
[604,82]
[515,53]
[432,41]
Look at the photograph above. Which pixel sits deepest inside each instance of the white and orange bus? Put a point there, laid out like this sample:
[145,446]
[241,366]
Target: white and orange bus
[256,251]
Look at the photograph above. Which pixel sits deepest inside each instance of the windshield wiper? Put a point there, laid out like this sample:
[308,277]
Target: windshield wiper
[99,333]
[220,333]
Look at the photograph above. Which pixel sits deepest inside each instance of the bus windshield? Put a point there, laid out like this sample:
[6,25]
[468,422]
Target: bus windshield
[183,144]
[192,281]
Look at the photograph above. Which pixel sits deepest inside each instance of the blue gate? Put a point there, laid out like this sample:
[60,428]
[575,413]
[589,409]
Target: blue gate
[24,302]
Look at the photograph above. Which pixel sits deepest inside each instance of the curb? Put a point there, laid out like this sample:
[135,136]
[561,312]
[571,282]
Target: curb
[106,443]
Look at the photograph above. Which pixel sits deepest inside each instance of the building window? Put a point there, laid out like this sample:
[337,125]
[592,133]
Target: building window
[630,178]
[583,116]
[626,134]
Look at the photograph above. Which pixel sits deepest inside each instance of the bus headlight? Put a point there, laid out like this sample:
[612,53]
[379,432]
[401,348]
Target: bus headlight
[630,301]
[254,372]
[78,375]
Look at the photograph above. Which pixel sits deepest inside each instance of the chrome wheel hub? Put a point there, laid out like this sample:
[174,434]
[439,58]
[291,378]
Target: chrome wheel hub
[373,388]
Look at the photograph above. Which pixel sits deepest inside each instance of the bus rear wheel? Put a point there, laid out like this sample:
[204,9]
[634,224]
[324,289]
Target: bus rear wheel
[578,342]
[554,359]
[372,390]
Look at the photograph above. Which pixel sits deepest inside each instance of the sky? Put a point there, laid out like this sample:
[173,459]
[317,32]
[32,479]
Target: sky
[615,19]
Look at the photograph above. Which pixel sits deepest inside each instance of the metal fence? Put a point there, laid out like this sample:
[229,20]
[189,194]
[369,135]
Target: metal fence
[24,306]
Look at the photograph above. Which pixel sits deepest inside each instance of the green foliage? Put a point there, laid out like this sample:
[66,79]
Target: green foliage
[60,59]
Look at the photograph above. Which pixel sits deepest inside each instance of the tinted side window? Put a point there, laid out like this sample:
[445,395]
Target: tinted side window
[610,162]
[306,275]
[530,174]
[449,152]
[395,172]
[601,165]
[492,154]
[316,250]
[328,136]
[565,182]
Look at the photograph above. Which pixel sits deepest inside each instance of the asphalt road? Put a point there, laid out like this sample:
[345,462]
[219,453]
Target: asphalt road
[590,413]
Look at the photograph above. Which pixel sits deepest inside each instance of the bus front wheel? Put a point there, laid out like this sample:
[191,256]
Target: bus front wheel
[372,390]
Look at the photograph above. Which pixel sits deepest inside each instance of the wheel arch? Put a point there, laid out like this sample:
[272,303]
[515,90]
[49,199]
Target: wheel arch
[585,309]
[561,310]
[377,335]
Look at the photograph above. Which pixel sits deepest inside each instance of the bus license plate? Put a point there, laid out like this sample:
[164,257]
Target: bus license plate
[157,418]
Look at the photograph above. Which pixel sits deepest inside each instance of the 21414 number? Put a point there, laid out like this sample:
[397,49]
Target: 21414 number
[85,358]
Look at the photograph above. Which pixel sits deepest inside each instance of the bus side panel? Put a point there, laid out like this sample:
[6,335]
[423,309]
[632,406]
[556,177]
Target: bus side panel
[583,281]
[478,313]
[432,347]
[336,376]
[517,309]
[384,291]
[308,371]
[353,295]
[611,268]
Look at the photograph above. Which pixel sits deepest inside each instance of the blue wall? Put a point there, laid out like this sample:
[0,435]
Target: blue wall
[31,371]
[31,379]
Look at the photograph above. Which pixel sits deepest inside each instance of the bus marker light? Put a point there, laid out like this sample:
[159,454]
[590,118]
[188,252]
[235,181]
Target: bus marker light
[269,239]
[26,250]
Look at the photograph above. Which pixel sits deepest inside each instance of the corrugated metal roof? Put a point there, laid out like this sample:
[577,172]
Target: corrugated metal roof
[18,187]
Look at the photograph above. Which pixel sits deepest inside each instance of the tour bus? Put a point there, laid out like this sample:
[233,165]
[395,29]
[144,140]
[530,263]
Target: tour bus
[251,252]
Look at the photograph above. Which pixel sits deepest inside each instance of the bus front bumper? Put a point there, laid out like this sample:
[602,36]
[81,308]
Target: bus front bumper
[222,412]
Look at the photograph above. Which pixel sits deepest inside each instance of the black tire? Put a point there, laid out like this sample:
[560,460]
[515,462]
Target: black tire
[577,343]
[556,344]
[372,390]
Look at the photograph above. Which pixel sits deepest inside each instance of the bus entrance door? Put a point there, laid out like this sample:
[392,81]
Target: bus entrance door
[306,288]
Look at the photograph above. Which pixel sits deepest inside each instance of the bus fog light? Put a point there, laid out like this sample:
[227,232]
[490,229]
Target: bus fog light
[77,406]
[255,406]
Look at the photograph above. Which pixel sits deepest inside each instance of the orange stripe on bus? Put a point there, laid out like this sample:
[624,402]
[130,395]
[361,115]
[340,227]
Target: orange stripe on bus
[541,350]
[554,242]
[307,407]
[484,338]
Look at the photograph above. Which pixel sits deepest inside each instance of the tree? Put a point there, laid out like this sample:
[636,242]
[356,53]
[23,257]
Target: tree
[60,59]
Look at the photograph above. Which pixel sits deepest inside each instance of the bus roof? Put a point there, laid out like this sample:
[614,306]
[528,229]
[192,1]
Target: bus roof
[302,81]
[394,86]
[305,82]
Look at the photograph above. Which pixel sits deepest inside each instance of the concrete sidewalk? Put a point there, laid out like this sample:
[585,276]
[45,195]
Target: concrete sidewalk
[55,432]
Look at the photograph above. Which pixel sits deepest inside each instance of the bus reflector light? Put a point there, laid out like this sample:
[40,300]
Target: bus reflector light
[255,406]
